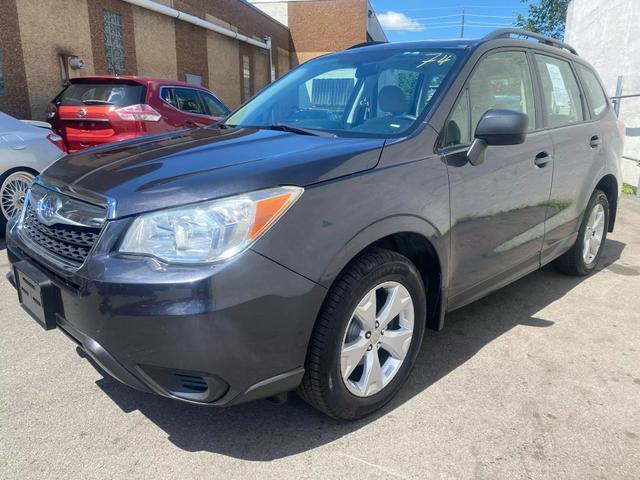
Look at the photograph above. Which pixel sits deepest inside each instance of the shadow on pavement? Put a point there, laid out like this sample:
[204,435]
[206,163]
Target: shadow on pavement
[261,431]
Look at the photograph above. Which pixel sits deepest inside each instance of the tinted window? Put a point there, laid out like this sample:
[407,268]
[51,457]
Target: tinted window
[188,101]
[502,80]
[166,94]
[118,94]
[594,91]
[214,106]
[368,92]
[560,91]
[458,131]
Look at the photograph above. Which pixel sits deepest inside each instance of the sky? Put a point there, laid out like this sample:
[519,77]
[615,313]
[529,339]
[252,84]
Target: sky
[406,20]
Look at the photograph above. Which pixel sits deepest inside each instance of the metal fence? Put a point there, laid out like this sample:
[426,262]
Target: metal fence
[617,100]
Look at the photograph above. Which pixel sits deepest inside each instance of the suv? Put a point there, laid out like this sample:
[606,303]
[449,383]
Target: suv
[308,241]
[93,111]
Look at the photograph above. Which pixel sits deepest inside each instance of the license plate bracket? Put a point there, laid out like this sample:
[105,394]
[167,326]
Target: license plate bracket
[38,296]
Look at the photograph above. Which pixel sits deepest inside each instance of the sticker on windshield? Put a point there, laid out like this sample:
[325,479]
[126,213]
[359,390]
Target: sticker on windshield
[436,57]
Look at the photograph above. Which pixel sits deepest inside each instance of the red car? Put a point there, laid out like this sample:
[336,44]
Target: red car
[97,110]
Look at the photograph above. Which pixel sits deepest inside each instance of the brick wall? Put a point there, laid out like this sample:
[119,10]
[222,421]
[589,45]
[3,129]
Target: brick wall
[33,35]
[15,101]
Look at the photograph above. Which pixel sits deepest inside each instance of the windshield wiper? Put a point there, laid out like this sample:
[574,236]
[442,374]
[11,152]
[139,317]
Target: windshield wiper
[297,130]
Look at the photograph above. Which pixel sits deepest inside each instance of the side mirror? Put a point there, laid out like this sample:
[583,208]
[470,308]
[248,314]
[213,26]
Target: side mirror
[498,127]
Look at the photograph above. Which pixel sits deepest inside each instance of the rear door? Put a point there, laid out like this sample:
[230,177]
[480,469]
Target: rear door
[577,141]
[86,112]
[498,207]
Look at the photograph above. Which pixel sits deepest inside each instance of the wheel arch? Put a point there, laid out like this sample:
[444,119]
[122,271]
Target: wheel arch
[609,185]
[416,239]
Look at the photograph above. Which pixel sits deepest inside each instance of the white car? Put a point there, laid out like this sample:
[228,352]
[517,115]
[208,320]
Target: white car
[26,149]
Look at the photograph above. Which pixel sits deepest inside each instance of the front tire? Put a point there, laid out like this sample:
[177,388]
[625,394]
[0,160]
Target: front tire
[13,187]
[583,257]
[367,336]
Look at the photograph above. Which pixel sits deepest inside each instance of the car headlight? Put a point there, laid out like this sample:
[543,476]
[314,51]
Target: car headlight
[209,231]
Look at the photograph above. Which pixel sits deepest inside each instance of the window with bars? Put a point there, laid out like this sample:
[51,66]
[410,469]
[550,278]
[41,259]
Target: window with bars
[246,77]
[113,41]
[2,87]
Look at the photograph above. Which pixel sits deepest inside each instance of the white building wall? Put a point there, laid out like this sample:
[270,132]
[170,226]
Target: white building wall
[606,34]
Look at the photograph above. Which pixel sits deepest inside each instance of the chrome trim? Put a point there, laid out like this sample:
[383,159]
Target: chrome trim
[41,253]
[84,119]
[79,193]
[53,208]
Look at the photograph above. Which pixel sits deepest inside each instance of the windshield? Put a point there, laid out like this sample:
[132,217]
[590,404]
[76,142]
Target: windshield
[379,92]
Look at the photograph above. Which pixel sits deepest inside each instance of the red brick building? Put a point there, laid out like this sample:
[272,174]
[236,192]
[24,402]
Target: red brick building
[229,46]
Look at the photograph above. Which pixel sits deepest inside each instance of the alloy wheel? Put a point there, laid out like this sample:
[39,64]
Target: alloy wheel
[377,339]
[12,193]
[593,234]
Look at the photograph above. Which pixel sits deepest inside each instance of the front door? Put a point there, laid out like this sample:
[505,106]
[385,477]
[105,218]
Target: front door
[498,208]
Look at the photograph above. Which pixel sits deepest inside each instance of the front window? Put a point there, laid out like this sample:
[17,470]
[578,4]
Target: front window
[380,92]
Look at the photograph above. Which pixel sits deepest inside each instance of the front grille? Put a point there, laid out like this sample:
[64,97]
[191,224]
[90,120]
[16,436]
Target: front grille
[68,242]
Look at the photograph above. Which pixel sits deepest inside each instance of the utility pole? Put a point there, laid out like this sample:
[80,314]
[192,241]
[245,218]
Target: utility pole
[462,25]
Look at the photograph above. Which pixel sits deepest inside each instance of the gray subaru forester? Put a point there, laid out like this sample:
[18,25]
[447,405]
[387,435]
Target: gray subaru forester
[306,242]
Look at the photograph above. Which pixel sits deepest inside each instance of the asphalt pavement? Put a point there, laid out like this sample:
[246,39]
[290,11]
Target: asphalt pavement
[538,380]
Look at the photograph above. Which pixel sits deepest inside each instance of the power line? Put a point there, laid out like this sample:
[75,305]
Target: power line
[457,7]
[467,25]
[488,16]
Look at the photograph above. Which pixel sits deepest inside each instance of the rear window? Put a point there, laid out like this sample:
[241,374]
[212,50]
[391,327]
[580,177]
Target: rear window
[595,94]
[118,94]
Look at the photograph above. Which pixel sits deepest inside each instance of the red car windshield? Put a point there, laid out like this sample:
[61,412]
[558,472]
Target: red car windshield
[118,94]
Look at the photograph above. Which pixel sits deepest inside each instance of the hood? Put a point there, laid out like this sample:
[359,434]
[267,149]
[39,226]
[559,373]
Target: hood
[194,165]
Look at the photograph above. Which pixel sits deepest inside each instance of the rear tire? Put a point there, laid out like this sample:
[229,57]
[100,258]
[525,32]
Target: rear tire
[359,309]
[583,257]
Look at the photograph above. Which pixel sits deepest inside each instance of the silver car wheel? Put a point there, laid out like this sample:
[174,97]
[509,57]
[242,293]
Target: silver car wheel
[12,193]
[377,339]
[593,234]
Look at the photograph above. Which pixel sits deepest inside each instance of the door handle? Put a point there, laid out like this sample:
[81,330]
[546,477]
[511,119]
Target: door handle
[542,159]
[595,141]
[189,123]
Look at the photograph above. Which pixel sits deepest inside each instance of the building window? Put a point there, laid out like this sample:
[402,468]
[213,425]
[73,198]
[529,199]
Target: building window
[193,79]
[246,77]
[113,41]
[2,88]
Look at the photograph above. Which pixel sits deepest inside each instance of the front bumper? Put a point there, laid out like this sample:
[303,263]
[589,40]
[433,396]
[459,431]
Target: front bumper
[216,335]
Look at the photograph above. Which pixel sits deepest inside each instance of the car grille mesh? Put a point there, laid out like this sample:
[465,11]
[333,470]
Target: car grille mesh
[71,243]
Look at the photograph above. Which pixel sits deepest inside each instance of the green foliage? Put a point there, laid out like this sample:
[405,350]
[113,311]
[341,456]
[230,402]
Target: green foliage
[628,189]
[407,82]
[547,17]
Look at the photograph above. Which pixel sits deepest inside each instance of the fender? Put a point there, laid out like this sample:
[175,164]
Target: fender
[384,228]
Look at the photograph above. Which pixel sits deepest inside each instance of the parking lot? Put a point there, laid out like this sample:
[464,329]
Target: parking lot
[539,380]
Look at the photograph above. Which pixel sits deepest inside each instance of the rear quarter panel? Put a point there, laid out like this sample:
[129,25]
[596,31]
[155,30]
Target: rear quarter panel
[27,148]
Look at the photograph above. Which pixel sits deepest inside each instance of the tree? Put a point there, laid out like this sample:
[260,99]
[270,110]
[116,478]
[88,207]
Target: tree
[547,17]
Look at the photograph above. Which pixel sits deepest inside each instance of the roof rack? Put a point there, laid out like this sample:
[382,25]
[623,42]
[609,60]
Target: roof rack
[508,32]
[364,44]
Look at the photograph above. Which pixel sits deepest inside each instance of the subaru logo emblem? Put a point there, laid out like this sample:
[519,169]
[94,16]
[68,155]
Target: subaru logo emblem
[82,112]
[47,209]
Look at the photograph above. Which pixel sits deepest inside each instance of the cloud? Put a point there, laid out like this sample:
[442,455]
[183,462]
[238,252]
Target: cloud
[399,22]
